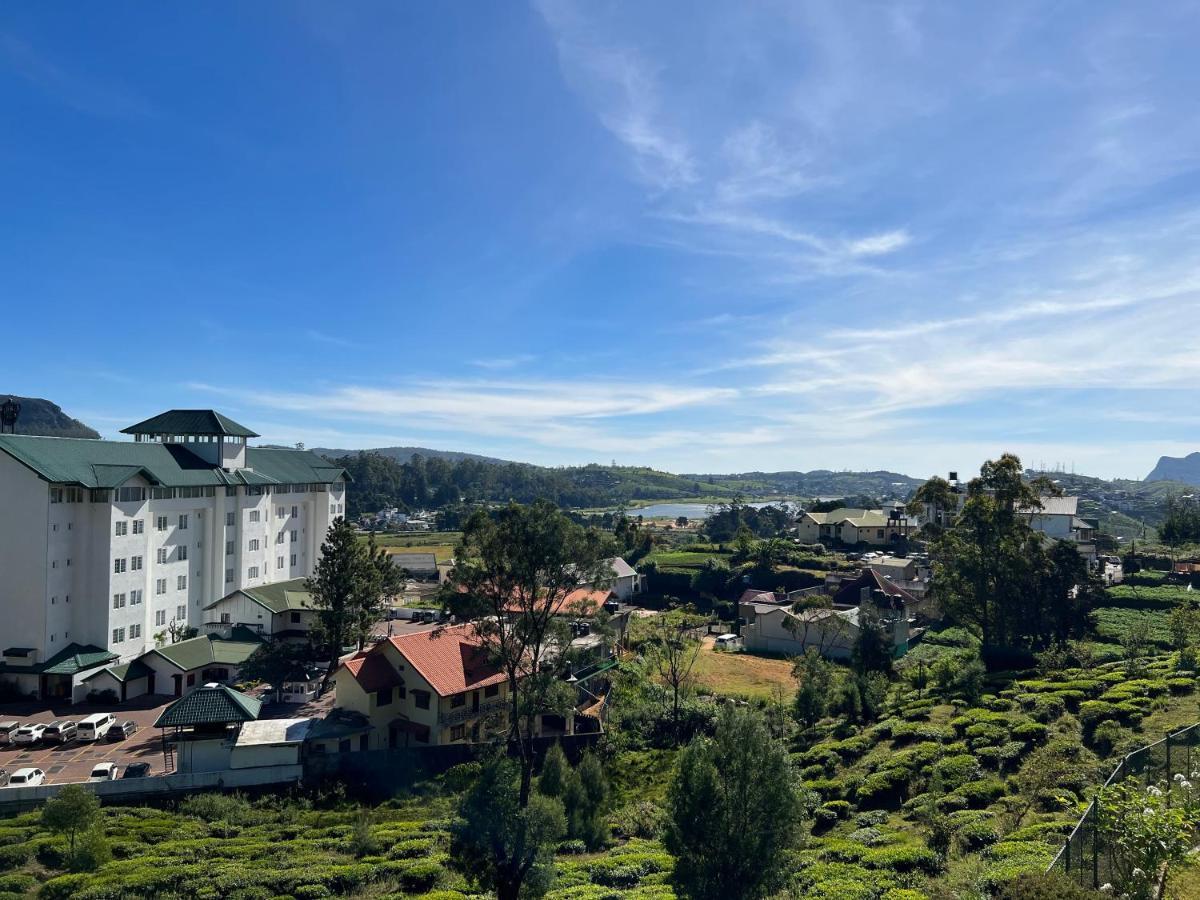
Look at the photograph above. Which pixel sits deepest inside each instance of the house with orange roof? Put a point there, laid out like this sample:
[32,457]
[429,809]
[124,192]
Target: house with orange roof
[428,688]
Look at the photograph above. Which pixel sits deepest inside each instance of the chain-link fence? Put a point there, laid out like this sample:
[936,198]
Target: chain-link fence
[1084,857]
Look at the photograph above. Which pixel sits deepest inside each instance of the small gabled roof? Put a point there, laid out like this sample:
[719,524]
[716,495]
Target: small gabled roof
[1054,506]
[204,422]
[126,672]
[205,650]
[211,704]
[621,569]
[278,597]
[373,672]
[850,591]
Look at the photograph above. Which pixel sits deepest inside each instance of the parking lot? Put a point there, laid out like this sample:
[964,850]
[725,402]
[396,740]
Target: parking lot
[74,761]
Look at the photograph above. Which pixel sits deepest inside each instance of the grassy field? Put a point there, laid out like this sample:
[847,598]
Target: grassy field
[742,674]
[440,543]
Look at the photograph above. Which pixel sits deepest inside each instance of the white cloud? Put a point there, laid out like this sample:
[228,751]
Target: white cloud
[879,244]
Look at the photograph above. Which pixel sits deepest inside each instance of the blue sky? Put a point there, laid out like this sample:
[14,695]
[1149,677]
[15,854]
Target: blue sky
[705,237]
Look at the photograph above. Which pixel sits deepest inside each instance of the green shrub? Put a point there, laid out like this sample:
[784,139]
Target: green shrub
[1034,885]
[981,793]
[1032,732]
[956,770]
[977,835]
[903,858]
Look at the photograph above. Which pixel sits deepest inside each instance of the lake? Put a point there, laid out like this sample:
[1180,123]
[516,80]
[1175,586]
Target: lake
[675,510]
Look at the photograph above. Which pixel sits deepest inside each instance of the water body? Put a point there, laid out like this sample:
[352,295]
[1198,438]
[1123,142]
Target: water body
[675,510]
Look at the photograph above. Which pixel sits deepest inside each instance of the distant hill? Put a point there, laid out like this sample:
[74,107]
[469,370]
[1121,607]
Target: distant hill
[404,454]
[1177,468]
[41,417]
[881,485]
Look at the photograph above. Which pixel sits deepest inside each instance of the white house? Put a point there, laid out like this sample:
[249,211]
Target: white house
[104,544]
[626,582]
[1058,519]
[876,527]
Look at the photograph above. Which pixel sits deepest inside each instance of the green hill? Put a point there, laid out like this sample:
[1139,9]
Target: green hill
[41,417]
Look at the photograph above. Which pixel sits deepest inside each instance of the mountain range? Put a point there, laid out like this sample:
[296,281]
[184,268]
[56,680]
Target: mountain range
[404,454]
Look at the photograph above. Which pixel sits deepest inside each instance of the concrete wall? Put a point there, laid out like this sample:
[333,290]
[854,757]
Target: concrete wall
[127,790]
[25,608]
[833,637]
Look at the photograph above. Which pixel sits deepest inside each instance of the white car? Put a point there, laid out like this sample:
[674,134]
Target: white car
[29,734]
[105,771]
[27,778]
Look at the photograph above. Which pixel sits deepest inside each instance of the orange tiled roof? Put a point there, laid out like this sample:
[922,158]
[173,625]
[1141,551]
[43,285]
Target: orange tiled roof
[451,659]
[373,672]
[584,601]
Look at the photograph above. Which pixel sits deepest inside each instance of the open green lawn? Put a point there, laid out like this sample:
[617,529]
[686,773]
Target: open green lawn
[440,543]
[743,674]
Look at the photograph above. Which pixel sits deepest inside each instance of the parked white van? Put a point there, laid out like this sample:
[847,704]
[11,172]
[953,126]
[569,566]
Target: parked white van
[95,726]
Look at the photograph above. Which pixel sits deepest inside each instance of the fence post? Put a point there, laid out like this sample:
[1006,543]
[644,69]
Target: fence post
[1170,774]
[1096,842]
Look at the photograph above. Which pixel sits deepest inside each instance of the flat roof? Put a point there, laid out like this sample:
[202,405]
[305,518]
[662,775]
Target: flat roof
[265,732]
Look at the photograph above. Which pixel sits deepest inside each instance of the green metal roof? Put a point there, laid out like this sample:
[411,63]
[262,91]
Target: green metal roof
[211,704]
[76,658]
[206,422]
[108,464]
[282,596]
[198,652]
[126,672]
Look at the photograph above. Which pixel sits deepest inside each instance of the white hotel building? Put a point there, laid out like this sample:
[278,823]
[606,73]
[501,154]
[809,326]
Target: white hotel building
[104,544]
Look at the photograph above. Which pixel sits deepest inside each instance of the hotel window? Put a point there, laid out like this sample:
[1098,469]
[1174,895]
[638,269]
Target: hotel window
[252,572]
[135,597]
[230,519]
[181,583]
[421,698]
[56,495]
[181,555]
[118,566]
[160,586]
[118,601]
[279,538]
[160,523]
[293,559]
[280,512]
[458,732]
[253,544]
[131,494]
[118,635]
[162,554]
[295,535]
[226,618]
[295,511]
[139,526]
[183,522]
[135,563]
[296,621]
[74,495]
[120,529]
[229,576]
[135,631]
[254,515]
[180,613]
[160,617]
[229,548]
[279,562]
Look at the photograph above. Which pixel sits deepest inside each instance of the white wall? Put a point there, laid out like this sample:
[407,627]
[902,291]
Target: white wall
[25,608]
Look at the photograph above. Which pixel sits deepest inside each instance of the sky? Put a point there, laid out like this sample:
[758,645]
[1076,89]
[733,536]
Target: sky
[702,236]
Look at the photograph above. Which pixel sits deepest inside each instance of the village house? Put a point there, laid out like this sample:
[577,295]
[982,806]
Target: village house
[424,689]
[283,609]
[874,527]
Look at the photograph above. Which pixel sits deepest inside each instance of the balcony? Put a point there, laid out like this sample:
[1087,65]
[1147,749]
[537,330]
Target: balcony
[468,713]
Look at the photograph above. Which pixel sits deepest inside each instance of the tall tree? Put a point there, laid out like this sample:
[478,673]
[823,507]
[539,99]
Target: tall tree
[937,501]
[346,588]
[516,569]
[71,813]
[735,807]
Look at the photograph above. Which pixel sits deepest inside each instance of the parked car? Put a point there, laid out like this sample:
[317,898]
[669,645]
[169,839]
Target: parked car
[26,778]
[30,733]
[60,732]
[95,726]
[105,771]
[118,731]
[6,731]
[137,770]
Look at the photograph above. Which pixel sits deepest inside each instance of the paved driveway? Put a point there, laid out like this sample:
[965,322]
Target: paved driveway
[74,761]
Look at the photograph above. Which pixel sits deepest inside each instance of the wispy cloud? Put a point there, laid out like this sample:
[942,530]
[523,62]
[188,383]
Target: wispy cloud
[504,362]
[322,337]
